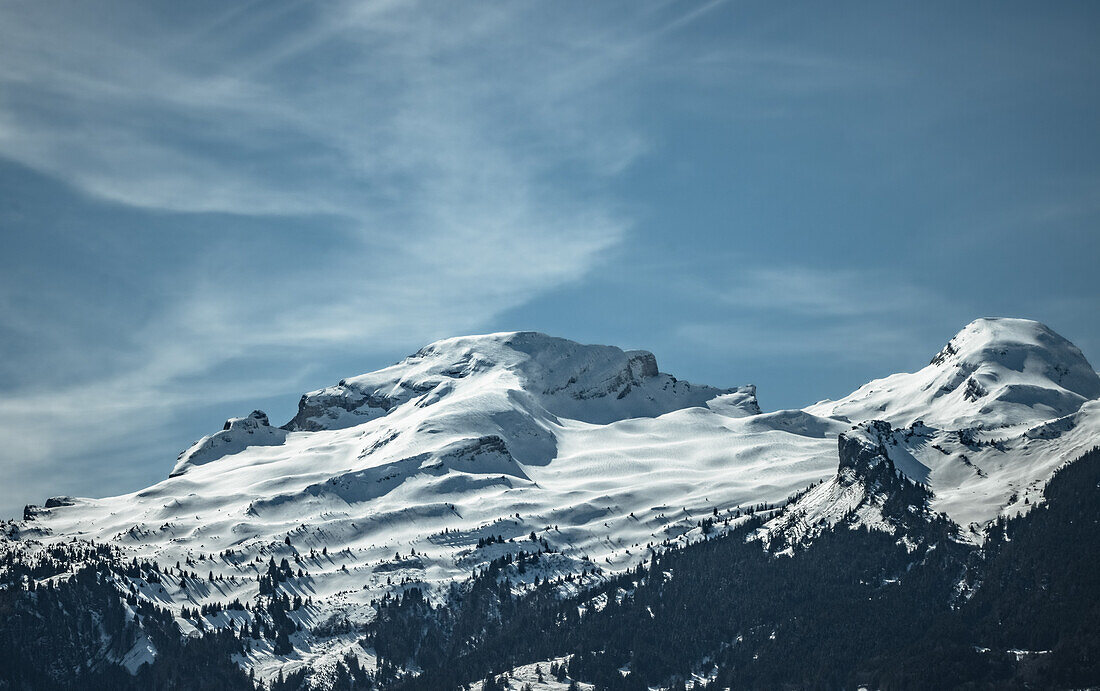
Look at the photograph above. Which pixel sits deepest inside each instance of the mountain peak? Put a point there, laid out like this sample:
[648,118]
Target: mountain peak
[995,372]
[997,339]
[591,383]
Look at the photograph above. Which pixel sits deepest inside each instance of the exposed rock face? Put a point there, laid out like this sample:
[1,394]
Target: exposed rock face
[337,406]
[874,487]
[643,364]
[864,447]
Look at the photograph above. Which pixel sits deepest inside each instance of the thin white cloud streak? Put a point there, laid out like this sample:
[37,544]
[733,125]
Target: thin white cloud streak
[850,341]
[847,315]
[437,141]
[813,292]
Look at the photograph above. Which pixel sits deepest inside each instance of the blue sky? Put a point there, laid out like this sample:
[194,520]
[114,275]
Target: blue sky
[207,208]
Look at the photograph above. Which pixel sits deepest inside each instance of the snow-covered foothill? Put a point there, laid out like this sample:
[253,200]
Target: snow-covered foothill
[871,468]
[236,435]
[1001,407]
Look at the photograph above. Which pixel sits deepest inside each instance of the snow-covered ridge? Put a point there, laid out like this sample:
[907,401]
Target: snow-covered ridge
[509,385]
[993,373]
[591,383]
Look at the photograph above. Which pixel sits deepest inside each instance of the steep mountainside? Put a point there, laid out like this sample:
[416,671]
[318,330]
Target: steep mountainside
[999,408]
[486,454]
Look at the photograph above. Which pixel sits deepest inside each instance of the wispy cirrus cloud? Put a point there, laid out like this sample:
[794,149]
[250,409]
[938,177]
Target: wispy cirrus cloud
[437,164]
[842,314]
[823,293]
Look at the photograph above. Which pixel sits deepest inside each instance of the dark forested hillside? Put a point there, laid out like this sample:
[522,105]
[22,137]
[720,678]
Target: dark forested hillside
[1041,584]
[72,633]
[855,608]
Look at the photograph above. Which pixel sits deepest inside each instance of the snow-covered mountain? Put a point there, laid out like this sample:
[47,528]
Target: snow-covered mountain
[426,470]
[985,424]
[398,474]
